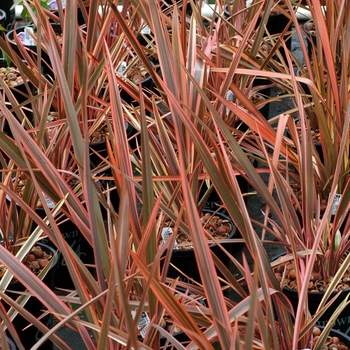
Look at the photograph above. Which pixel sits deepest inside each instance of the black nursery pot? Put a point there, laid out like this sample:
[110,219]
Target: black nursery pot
[148,85]
[77,242]
[31,335]
[214,201]
[95,160]
[319,150]
[342,323]
[19,91]
[2,17]
[275,25]
[6,6]
[101,149]
[21,95]
[185,260]
[340,335]
[32,49]
[181,337]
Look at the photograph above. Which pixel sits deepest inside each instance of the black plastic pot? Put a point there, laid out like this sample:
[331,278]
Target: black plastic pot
[101,149]
[77,242]
[213,203]
[6,5]
[181,337]
[10,37]
[95,160]
[185,260]
[31,335]
[275,25]
[342,323]
[169,3]
[264,94]
[19,91]
[2,17]
[342,337]
[147,84]
[319,150]
[21,95]
[32,49]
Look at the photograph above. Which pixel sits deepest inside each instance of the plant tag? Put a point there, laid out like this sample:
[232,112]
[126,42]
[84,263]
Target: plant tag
[166,232]
[49,202]
[28,39]
[336,202]
[143,323]
[54,6]
[146,30]
[229,97]
[122,67]
[21,37]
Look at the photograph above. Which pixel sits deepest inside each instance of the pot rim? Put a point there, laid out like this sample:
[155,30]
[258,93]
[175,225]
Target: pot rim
[230,236]
[317,294]
[54,256]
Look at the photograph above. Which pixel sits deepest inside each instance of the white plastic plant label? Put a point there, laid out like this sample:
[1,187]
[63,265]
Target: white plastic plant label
[21,37]
[229,97]
[49,202]
[143,323]
[146,30]
[122,67]
[25,37]
[336,202]
[166,232]
[54,6]
[28,36]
